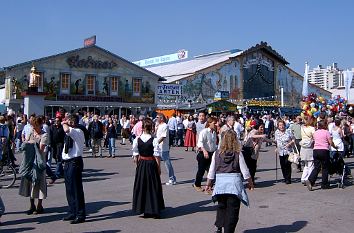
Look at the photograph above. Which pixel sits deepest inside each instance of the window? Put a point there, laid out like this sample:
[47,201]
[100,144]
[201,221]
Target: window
[90,85]
[64,83]
[39,81]
[114,85]
[136,87]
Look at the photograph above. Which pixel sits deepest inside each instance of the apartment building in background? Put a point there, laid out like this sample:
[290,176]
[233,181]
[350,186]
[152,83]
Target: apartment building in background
[328,78]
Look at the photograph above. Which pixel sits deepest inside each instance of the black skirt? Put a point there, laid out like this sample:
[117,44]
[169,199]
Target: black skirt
[147,196]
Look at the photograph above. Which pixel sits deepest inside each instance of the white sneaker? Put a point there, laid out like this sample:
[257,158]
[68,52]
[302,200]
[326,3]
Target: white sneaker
[171,182]
[90,150]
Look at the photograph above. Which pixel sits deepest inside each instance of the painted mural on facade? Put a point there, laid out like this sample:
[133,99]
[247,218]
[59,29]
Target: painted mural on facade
[202,87]
[292,84]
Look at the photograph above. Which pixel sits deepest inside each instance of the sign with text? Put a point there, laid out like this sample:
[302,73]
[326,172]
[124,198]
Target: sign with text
[76,62]
[169,89]
[180,55]
[222,95]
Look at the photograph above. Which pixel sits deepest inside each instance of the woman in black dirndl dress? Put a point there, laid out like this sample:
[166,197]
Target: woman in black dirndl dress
[147,196]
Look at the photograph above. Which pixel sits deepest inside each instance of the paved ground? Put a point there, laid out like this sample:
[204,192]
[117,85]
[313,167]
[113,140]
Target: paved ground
[108,184]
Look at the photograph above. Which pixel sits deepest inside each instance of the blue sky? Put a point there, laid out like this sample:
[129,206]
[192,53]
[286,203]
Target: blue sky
[317,31]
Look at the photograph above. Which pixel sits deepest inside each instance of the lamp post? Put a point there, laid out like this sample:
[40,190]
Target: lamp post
[282,96]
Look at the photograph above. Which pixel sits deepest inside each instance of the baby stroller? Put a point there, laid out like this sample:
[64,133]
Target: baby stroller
[337,166]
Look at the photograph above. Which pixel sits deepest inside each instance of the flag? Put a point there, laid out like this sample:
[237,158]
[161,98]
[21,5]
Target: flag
[348,77]
[305,84]
[90,41]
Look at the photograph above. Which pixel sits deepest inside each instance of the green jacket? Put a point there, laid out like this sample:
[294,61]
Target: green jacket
[32,164]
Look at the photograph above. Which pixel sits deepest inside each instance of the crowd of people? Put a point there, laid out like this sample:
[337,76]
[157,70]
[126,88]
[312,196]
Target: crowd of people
[227,147]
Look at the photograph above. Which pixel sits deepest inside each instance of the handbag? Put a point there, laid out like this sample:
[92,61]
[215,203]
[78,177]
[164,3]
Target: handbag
[294,156]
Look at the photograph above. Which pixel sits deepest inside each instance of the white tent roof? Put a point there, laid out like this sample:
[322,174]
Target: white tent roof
[180,70]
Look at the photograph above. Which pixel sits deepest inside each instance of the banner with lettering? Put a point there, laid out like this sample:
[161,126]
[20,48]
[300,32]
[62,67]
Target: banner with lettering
[169,89]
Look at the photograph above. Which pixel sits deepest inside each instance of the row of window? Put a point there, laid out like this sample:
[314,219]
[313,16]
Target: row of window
[90,81]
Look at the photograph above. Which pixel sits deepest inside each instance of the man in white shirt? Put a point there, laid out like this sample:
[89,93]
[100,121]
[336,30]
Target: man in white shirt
[72,157]
[200,125]
[172,127]
[180,130]
[238,127]
[207,146]
[162,136]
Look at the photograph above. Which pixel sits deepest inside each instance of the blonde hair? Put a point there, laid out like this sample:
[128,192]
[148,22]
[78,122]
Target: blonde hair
[230,143]
[309,121]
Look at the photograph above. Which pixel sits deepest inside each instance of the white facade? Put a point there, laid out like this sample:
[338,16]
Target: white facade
[328,78]
[85,79]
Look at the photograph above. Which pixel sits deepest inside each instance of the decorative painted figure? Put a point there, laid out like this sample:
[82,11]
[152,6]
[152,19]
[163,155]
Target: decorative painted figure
[105,86]
[51,86]
[77,84]
[33,82]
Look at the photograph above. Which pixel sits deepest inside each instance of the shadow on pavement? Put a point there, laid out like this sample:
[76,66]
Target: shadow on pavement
[264,184]
[58,213]
[21,229]
[350,164]
[266,169]
[93,179]
[186,181]
[295,227]
[119,214]
[90,175]
[96,172]
[191,208]
[173,159]
[106,231]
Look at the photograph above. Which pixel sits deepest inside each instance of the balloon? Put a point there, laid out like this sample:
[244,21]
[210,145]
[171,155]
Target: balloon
[309,113]
[302,115]
[313,110]
[316,114]
[312,105]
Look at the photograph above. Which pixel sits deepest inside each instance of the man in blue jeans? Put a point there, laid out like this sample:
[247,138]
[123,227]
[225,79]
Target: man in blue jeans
[162,135]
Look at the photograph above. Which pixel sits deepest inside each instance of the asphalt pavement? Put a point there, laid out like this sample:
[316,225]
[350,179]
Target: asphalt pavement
[108,186]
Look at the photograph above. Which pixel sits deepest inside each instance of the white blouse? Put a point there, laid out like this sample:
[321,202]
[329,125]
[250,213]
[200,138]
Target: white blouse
[145,137]
[125,124]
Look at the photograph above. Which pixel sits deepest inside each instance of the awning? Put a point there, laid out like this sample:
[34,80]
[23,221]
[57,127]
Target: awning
[222,106]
